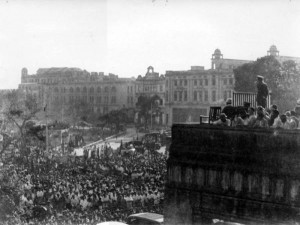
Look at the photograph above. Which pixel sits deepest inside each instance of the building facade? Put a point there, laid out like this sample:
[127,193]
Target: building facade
[190,93]
[150,85]
[184,95]
[60,88]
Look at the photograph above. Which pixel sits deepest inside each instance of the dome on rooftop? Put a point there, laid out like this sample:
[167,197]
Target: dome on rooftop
[273,48]
[217,51]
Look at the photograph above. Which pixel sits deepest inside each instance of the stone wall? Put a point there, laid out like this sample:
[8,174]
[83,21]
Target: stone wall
[251,176]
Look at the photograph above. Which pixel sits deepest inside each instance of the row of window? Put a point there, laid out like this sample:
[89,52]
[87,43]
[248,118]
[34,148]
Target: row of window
[91,99]
[130,100]
[201,82]
[198,96]
[84,89]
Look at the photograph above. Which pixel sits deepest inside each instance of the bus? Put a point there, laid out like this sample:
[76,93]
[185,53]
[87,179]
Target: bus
[145,219]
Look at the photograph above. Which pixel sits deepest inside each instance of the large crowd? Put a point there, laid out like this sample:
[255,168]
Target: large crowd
[88,189]
[247,116]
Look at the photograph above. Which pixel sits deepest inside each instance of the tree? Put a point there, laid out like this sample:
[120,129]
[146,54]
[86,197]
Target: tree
[79,110]
[115,117]
[18,111]
[147,105]
[282,79]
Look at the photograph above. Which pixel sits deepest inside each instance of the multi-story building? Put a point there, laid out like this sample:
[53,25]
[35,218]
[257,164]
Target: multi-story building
[152,84]
[274,52]
[59,88]
[184,95]
[190,93]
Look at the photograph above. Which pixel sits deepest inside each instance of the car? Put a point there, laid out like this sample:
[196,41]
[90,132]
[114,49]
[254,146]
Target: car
[145,219]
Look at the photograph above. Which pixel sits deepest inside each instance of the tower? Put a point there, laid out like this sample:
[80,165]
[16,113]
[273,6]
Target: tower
[215,58]
[24,72]
[273,51]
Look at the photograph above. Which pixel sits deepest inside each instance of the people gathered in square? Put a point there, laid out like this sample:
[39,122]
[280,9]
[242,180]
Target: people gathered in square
[259,117]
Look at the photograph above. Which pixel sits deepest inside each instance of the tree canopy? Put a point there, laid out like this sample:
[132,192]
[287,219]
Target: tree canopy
[145,104]
[282,80]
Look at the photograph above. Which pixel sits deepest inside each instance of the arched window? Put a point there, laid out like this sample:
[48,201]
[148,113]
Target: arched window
[98,89]
[71,90]
[106,89]
[78,90]
[56,90]
[91,90]
[84,90]
[113,89]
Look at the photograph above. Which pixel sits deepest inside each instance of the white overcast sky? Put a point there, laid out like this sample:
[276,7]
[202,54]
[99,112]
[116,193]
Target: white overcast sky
[126,36]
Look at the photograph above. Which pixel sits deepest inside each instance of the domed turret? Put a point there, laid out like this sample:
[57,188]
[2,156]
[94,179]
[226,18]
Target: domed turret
[273,51]
[217,54]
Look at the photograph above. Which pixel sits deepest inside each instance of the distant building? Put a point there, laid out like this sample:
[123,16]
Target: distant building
[274,52]
[150,85]
[190,93]
[61,87]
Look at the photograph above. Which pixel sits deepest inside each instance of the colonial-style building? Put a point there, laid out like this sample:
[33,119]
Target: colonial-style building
[190,93]
[184,95]
[61,87]
[150,85]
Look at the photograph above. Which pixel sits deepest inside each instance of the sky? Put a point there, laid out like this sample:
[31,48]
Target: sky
[124,37]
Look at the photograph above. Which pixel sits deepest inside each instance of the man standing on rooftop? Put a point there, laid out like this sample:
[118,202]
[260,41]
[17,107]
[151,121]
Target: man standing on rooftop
[262,92]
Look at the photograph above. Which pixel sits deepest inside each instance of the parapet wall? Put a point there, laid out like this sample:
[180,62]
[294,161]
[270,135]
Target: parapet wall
[243,175]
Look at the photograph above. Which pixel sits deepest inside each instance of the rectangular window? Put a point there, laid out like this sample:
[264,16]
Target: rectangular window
[91,99]
[185,82]
[230,81]
[195,96]
[113,99]
[180,83]
[167,96]
[200,96]
[160,88]
[175,96]
[180,96]
[127,89]
[206,82]
[213,81]
[201,82]
[206,95]
[185,95]
[175,82]
[167,83]
[195,82]
[213,96]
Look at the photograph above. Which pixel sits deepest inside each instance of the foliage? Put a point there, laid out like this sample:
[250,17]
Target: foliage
[19,112]
[115,117]
[79,110]
[147,105]
[282,80]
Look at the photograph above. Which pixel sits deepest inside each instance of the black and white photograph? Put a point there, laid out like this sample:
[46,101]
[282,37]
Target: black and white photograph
[149,112]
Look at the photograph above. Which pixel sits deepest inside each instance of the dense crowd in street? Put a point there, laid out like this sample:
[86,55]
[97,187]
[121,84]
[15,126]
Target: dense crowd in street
[89,190]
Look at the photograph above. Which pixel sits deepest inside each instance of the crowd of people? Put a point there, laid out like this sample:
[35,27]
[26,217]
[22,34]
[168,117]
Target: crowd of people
[88,190]
[259,117]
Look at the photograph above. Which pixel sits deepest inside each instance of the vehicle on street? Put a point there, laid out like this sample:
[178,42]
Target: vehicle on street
[145,219]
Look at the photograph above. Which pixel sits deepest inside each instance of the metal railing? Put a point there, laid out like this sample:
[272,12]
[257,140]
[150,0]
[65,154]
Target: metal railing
[238,99]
